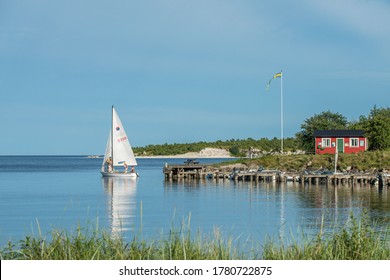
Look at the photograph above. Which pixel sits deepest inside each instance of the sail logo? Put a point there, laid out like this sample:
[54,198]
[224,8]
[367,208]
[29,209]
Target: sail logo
[117,128]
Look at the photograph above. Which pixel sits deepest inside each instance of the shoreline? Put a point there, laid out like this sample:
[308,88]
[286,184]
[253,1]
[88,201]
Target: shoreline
[183,157]
[205,153]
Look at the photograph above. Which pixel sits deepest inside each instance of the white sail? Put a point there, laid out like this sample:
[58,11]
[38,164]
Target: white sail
[121,148]
[118,152]
[107,154]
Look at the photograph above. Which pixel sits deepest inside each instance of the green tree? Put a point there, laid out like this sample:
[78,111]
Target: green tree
[324,120]
[235,151]
[377,127]
[360,124]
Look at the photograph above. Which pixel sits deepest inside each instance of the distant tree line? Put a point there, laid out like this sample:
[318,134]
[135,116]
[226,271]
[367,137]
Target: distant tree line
[376,126]
[236,147]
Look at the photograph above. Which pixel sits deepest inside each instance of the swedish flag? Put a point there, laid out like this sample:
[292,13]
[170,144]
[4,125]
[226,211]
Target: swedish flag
[277,75]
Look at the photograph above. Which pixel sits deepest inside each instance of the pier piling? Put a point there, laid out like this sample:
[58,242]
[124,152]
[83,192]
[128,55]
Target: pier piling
[194,171]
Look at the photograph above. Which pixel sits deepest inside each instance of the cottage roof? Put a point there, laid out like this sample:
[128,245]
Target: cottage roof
[339,133]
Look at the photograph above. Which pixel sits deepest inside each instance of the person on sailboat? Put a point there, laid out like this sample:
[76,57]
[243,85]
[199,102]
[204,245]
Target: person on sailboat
[125,166]
[132,169]
[109,164]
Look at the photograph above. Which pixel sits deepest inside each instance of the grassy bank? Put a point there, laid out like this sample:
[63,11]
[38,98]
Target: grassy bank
[367,161]
[100,245]
[355,241]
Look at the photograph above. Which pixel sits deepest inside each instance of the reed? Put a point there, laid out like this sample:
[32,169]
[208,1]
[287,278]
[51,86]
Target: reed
[86,244]
[355,241]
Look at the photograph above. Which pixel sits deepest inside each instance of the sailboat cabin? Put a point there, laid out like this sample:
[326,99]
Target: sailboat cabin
[345,141]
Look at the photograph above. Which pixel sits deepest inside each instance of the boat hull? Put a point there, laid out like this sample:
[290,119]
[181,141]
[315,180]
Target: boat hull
[120,174]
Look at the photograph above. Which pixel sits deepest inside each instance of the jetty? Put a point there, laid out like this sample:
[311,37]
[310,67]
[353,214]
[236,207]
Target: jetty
[191,170]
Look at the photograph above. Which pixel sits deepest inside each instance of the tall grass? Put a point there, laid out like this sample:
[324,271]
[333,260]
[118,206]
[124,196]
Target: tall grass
[355,241]
[87,244]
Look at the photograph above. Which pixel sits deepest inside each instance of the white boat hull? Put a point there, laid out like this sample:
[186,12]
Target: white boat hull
[120,174]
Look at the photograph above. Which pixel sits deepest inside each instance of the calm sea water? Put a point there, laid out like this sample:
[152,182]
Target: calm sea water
[39,193]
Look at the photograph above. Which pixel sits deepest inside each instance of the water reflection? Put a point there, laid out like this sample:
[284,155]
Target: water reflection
[184,185]
[279,209]
[121,193]
[327,207]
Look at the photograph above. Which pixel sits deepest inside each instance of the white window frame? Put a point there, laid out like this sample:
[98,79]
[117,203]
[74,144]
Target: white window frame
[354,142]
[326,142]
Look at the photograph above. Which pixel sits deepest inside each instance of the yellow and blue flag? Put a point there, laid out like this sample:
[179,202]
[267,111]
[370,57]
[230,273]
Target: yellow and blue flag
[277,75]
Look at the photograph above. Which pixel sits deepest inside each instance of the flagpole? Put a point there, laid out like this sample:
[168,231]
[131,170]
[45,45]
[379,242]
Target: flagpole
[281,111]
[279,75]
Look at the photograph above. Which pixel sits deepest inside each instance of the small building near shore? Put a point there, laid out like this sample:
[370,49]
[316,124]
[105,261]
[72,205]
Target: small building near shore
[345,141]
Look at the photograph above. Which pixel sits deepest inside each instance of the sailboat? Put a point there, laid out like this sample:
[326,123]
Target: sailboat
[119,155]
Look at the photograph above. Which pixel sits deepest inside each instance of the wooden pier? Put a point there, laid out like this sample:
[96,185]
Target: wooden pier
[268,176]
[337,179]
[193,170]
[189,170]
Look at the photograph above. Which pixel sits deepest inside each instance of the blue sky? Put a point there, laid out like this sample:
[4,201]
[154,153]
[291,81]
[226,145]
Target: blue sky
[183,71]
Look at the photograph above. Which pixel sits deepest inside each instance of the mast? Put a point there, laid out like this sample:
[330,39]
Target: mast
[281,111]
[112,137]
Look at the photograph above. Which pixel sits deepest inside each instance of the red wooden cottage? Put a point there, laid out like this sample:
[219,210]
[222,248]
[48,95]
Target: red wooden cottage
[345,141]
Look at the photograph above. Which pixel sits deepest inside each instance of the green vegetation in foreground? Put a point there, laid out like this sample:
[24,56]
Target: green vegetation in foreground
[356,241]
[367,161]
